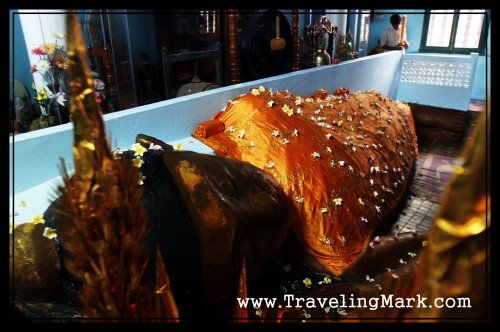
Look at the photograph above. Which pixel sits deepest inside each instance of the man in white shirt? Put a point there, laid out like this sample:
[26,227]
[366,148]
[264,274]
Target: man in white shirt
[391,36]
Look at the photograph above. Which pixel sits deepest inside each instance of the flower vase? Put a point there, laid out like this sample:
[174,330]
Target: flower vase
[54,88]
[44,110]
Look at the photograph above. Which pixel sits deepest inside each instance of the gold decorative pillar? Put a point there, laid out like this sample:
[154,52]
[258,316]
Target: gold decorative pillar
[295,40]
[232,42]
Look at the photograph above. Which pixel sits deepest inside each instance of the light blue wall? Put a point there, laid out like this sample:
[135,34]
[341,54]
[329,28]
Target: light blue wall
[415,23]
[19,63]
[177,118]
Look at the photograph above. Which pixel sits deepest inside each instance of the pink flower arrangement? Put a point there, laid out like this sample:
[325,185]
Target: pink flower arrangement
[52,62]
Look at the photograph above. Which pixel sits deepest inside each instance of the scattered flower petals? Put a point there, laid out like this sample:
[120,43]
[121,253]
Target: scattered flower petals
[38,219]
[307,282]
[337,201]
[117,154]
[270,103]
[341,312]
[179,147]
[138,149]
[230,129]
[49,233]
[270,164]
[324,210]
[287,110]
[155,147]
[137,162]
[141,179]
[255,92]
[315,154]
[369,279]
[241,133]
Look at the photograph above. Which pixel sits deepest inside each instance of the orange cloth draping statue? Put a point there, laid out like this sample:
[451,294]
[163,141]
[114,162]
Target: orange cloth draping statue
[343,160]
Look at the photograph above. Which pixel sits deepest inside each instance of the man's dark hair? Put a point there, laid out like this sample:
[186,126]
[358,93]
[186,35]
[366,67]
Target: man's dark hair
[395,19]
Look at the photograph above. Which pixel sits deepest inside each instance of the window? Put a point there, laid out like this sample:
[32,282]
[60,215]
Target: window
[454,31]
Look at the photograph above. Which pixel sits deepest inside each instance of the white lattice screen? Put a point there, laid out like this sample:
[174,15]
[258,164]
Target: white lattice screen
[440,73]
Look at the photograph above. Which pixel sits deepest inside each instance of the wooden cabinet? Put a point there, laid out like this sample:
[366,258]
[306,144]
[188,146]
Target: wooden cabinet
[187,40]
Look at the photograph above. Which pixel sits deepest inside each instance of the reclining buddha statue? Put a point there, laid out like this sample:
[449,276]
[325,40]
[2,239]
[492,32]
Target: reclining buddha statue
[343,160]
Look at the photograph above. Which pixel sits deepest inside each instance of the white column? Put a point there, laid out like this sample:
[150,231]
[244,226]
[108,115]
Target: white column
[38,27]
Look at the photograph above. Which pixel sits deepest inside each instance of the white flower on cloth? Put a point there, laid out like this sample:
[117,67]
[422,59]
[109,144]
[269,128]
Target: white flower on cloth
[154,147]
[138,149]
[49,233]
[255,92]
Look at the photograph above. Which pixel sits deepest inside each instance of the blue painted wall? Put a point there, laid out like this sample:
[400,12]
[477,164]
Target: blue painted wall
[415,23]
[19,63]
[142,36]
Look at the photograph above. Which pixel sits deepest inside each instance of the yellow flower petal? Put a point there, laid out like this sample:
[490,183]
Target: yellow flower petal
[38,219]
[138,149]
[49,233]
[138,162]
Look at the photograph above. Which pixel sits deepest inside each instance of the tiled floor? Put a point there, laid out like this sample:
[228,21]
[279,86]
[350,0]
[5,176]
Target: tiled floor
[434,166]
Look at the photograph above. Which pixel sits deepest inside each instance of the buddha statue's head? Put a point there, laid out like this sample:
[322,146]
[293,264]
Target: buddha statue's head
[34,265]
